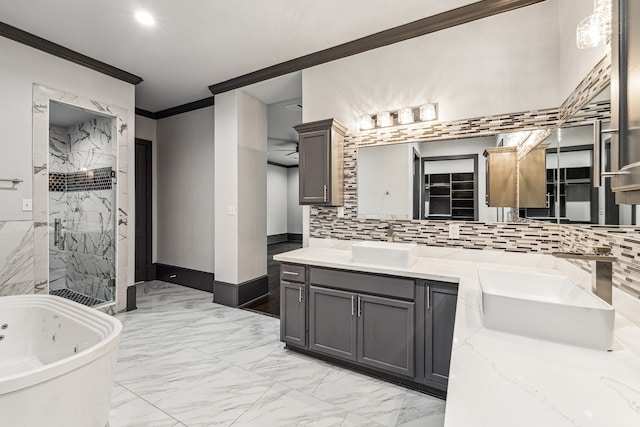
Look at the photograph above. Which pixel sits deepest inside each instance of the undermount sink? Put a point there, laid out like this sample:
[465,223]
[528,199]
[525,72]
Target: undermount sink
[546,306]
[385,253]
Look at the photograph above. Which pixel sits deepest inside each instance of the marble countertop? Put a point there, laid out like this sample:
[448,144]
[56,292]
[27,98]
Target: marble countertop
[499,379]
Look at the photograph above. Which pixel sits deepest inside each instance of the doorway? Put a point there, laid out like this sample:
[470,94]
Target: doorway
[143,261]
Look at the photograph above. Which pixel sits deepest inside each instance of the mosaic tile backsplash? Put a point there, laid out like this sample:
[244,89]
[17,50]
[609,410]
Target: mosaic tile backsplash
[514,237]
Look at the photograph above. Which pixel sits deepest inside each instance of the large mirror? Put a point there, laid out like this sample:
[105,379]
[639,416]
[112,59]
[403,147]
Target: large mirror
[486,178]
[465,179]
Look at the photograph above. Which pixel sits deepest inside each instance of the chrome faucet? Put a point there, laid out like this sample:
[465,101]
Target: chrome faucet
[601,277]
[390,233]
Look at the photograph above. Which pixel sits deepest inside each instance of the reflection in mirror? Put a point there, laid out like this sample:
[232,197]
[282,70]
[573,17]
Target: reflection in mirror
[434,180]
[578,196]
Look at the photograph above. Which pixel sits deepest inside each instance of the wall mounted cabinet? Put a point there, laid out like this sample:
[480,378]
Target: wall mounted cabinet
[501,190]
[532,179]
[321,163]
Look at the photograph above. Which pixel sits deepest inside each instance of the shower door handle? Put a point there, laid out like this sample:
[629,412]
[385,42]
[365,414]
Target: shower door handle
[57,231]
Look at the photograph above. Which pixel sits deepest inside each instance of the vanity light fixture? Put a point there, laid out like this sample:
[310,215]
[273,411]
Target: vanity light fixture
[595,29]
[384,119]
[402,116]
[145,18]
[428,112]
[405,116]
[367,122]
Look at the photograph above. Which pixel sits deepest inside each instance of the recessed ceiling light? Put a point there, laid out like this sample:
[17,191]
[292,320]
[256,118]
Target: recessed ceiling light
[145,18]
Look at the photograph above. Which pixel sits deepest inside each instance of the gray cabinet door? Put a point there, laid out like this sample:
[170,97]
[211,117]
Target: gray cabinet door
[332,322]
[293,314]
[314,167]
[386,334]
[439,321]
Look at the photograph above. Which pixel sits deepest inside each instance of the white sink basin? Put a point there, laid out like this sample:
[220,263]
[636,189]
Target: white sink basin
[545,306]
[385,253]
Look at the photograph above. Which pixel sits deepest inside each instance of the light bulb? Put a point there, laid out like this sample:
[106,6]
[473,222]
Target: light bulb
[384,119]
[145,18]
[405,116]
[428,112]
[367,122]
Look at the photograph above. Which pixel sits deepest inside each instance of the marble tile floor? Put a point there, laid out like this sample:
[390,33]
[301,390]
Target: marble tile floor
[185,361]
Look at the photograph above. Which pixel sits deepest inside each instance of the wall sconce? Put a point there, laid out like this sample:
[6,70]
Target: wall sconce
[403,116]
[595,29]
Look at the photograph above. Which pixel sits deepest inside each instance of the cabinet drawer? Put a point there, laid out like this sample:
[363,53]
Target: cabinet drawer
[363,282]
[293,273]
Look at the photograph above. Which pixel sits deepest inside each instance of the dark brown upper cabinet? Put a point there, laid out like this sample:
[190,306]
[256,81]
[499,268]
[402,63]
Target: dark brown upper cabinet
[321,163]
[501,177]
[532,179]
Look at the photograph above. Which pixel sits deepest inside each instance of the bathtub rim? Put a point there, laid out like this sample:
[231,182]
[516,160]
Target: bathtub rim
[99,320]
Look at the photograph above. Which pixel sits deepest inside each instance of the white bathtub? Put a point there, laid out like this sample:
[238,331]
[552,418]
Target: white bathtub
[57,362]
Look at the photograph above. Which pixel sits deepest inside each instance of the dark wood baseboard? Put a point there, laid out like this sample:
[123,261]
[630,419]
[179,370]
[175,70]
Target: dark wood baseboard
[238,295]
[284,237]
[195,279]
[276,238]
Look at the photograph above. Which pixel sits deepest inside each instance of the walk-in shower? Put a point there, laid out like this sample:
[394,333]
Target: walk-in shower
[82,204]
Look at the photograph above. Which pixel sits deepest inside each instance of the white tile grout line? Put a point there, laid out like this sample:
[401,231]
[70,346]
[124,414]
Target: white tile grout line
[142,398]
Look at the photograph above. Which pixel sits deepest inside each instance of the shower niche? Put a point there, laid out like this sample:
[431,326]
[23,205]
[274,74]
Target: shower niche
[82,164]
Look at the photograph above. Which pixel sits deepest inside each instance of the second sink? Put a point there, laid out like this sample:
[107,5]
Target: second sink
[545,306]
[385,253]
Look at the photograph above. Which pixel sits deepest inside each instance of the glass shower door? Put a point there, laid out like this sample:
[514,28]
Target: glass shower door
[82,205]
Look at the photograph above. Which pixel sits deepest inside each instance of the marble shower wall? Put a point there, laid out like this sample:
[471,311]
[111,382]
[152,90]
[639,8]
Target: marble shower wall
[81,158]
[16,258]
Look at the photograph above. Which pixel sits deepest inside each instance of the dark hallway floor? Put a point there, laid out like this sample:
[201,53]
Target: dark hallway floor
[271,304]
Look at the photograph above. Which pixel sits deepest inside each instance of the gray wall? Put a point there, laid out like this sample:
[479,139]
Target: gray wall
[284,214]
[294,210]
[277,188]
[185,187]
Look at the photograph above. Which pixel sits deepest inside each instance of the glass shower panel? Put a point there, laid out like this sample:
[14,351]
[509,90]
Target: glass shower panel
[82,205]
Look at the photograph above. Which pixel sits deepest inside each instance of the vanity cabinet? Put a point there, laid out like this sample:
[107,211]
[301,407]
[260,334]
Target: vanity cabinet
[398,327]
[293,307]
[386,334]
[439,317]
[332,322]
[321,168]
[373,331]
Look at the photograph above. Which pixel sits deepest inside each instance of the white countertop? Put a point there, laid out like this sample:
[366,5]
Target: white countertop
[499,379]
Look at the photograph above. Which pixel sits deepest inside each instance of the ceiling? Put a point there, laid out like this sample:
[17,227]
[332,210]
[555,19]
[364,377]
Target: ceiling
[198,43]
[282,139]
[64,115]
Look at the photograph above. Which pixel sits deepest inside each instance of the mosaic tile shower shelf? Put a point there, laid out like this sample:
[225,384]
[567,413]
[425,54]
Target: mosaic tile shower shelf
[90,180]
